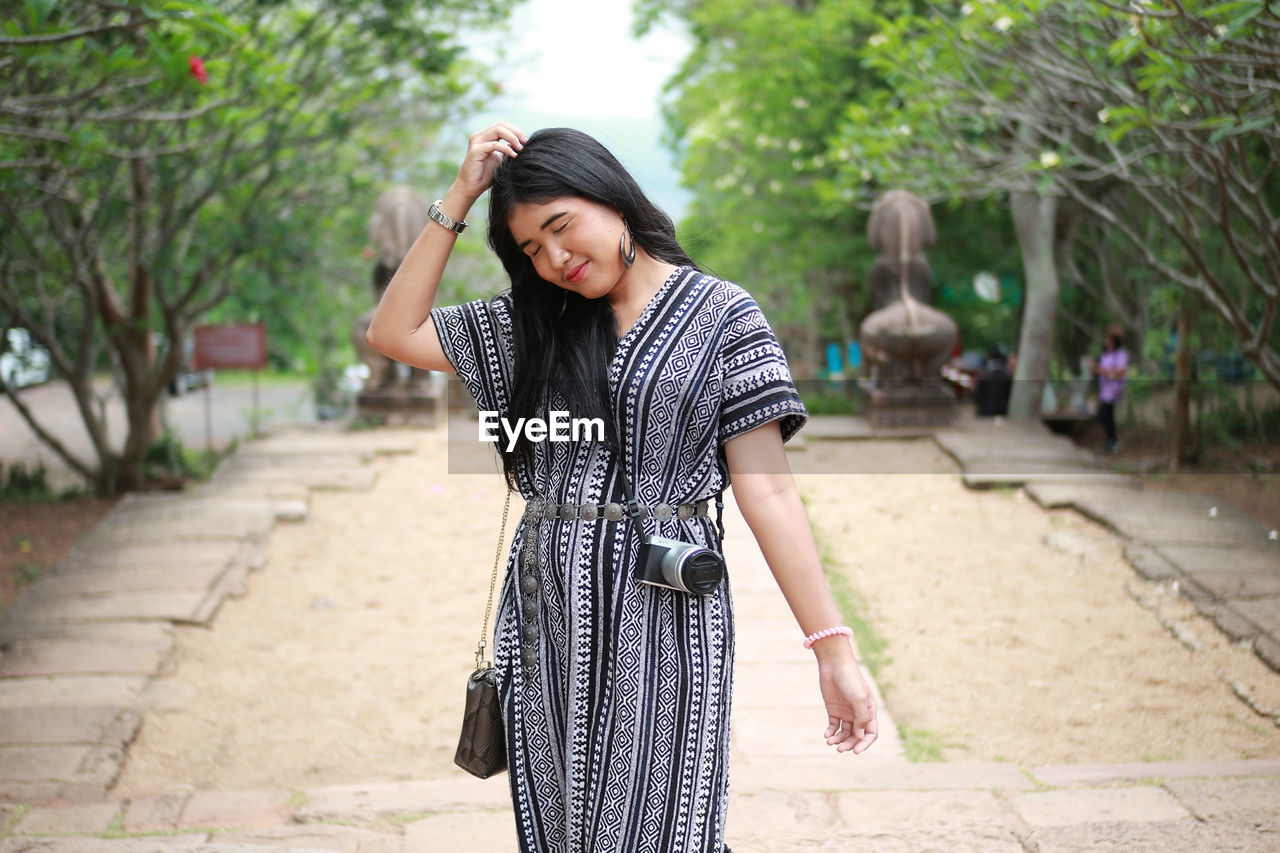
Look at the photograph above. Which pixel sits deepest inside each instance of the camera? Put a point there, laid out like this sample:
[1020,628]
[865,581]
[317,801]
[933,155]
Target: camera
[678,565]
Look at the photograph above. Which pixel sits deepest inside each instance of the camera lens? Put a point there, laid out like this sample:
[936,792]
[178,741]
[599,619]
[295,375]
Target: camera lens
[699,571]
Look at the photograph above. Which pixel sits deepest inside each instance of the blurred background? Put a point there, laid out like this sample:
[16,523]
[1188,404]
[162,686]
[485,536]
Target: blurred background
[169,165]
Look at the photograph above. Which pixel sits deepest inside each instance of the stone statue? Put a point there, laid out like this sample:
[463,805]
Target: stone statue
[399,215]
[905,340]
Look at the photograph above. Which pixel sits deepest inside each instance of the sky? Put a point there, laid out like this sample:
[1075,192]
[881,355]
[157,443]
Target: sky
[575,63]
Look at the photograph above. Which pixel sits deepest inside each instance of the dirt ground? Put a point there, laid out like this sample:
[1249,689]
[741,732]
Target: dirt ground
[1019,634]
[1014,634]
[34,536]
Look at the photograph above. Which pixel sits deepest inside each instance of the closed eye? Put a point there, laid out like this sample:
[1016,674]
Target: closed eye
[538,249]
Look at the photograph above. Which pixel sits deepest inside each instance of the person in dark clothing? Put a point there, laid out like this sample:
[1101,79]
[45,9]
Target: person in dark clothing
[994,385]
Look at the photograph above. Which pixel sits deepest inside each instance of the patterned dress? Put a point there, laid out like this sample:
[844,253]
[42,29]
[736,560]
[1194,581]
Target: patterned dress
[616,693]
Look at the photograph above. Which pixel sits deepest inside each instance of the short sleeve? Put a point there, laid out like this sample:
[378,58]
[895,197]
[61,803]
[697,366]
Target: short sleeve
[756,381]
[476,337]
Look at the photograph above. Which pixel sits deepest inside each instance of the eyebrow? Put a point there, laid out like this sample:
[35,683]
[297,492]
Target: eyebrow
[552,218]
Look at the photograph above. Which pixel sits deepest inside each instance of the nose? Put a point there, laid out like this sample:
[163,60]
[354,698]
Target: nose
[561,255]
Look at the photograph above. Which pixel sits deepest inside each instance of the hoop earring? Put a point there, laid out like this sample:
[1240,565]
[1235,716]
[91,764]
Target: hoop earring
[628,252]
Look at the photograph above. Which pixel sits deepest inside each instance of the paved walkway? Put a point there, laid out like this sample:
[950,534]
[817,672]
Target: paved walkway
[87,645]
[1221,559]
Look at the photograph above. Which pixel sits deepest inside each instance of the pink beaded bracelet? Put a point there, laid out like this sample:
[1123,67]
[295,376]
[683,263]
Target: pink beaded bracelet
[840,630]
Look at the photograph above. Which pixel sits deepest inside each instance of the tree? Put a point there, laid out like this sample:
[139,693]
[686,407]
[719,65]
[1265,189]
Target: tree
[1170,104]
[752,116]
[154,155]
[753,106]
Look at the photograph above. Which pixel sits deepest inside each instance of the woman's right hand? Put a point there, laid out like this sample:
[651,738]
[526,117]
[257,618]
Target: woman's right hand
[485,150]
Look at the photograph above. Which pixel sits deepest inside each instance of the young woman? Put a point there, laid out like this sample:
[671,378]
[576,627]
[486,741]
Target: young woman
[615,691]
[1112,369]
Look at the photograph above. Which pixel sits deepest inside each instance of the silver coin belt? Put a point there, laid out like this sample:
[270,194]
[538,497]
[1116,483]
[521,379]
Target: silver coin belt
[548,510]
[539,509]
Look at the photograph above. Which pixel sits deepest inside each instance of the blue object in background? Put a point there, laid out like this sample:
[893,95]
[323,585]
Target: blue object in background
[855,355]
[834,365]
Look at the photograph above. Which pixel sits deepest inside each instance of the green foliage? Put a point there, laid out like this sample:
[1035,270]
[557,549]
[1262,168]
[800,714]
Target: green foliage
[25,486]
[752,118]
[1235,424]
[920,745]
[1146,118]
[171,162]
[167,459]
[831,398]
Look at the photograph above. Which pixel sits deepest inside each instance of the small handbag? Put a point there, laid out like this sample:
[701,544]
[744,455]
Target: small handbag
[482,747]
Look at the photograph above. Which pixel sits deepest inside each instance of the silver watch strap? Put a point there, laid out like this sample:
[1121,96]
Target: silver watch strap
[445,219]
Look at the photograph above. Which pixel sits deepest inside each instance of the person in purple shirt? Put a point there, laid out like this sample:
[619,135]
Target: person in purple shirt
[1112,368]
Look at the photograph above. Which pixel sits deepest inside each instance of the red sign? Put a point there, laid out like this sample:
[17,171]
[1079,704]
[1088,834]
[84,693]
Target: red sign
[240,345]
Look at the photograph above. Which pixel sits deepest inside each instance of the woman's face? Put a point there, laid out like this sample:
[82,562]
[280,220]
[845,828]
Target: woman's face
[572,242]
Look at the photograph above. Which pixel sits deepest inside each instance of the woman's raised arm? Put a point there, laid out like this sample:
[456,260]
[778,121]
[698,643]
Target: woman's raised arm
[401,328]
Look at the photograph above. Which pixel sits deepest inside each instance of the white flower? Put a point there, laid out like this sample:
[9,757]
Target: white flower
[878,40]
[1104,115]
[1221,30]
[800,103]
[775,186]
[844,155]
[1004,23]
[865,174]
[797,164]
[966,9]
[762,141]
[794,145]
[904,129]
[819,162]
[1049,159]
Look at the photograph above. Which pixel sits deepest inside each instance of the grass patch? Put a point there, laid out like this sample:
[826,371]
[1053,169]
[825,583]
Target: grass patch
[296,800]
[409,817]
[115,829]
[364,422]
[25,573]
[920,745]
[14,819]
[852,606]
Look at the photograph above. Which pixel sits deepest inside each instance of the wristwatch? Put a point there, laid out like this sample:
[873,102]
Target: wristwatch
[445,219]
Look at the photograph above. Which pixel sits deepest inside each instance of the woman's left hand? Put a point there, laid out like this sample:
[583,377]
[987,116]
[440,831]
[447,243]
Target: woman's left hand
[851,709]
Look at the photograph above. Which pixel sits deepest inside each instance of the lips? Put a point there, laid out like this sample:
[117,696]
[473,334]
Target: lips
[577,273]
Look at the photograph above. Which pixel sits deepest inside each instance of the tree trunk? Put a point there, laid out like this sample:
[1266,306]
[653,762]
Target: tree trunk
[1034,217]
[1181,445]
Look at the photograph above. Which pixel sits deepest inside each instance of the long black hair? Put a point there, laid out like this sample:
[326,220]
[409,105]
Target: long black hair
[564,342]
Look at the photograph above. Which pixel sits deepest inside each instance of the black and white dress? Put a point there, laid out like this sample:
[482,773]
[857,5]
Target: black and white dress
[616,693]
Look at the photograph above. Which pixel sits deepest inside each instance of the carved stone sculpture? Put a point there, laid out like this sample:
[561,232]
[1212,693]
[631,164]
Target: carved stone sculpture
[905,340]
[399,215]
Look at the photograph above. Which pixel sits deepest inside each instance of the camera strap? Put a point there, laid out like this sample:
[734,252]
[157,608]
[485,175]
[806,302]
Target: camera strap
[633,506]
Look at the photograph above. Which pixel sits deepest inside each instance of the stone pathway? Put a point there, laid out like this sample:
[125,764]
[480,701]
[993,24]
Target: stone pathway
[78,665]
[1221,559]
[81,648]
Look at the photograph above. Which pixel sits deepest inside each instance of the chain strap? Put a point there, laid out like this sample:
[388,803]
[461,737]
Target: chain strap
[481,663]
